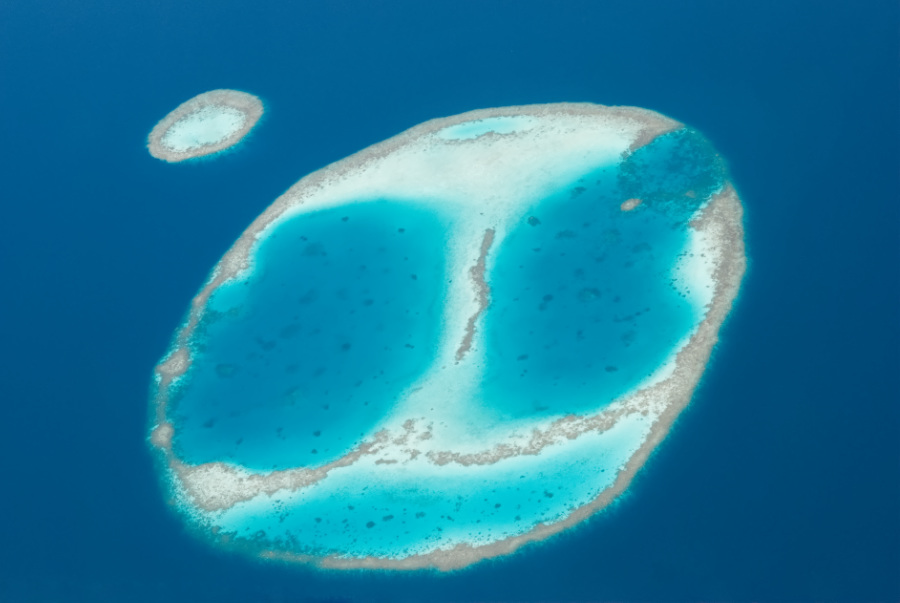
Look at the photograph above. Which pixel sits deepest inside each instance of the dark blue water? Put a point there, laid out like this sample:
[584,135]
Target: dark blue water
[294,365]
[779,483]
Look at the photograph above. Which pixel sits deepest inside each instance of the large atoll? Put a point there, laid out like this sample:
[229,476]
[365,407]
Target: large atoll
[207,123]
[460,340]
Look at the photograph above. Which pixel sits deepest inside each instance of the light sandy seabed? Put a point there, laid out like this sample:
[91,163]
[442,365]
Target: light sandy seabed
[421,163]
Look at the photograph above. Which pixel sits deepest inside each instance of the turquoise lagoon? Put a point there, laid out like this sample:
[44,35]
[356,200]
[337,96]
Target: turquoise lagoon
[585,306]
[296,363]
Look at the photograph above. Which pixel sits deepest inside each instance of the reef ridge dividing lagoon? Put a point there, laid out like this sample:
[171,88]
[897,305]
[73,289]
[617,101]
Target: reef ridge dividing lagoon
[458,341]
[205,124]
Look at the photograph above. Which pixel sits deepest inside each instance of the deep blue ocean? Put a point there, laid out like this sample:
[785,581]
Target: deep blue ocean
[780,482]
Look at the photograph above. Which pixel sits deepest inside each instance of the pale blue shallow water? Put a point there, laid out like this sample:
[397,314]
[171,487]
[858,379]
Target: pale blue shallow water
[474,129]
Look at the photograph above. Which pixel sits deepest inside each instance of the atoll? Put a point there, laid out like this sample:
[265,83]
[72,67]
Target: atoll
[208,123]
[455,342]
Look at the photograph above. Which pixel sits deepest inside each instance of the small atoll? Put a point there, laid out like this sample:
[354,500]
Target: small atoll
[208,123]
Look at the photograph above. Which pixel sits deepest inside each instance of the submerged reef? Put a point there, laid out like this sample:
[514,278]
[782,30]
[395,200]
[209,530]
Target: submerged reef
[458,341]
[206,124]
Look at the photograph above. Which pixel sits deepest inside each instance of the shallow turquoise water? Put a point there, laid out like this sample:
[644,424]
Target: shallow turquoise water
[584,306]
[474,129]
[293,365]
[404,512]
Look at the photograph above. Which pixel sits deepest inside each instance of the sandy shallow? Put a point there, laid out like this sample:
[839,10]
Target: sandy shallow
[237,111]
[411,436]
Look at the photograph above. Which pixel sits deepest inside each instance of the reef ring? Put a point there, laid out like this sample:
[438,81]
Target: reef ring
[208,123]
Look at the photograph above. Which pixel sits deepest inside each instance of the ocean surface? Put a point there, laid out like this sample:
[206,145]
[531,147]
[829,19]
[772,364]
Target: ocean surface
[780,482]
